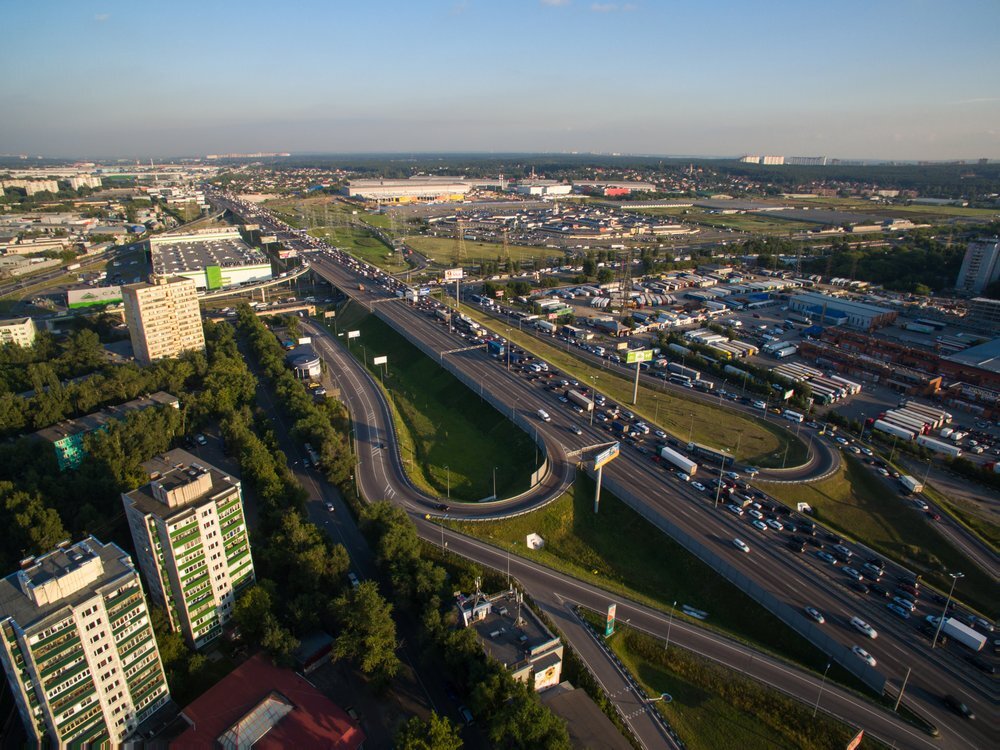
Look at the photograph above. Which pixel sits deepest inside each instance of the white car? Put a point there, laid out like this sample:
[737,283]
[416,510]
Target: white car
[862,654]
[775,524]
[815,614]
[353,579]
[754,513]
[741,545]
[864,627]
[759,525]
[683,477]
[698,486]
[576,430]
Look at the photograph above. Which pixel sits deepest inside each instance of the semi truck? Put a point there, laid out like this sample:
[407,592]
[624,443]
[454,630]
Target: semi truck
[894,430]
[938,446]
[688,372]
[785,351]
[496,349]
[910,484]
[580,400]
[679,460]
[442,315]
[960,632]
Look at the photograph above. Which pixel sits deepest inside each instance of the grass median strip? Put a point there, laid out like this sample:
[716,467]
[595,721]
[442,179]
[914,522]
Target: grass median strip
[858,504]
[716,708]
[450,439]
[752,441]
[619,550]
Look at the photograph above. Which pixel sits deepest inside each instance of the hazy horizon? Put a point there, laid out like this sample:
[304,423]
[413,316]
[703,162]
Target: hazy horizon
[882,81]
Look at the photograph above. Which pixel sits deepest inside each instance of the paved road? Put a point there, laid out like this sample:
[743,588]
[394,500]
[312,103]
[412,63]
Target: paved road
[795,580]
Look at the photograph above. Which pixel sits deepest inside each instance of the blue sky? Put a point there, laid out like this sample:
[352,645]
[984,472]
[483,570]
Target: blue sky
[914,79]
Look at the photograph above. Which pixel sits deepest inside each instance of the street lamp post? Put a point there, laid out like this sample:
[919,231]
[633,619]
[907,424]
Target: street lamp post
[448,480]
[718,487]
[821,686]
[494,482]
[691,431]
[670,623]
[944,612]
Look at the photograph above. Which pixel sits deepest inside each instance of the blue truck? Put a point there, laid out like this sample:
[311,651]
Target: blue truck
[495,349]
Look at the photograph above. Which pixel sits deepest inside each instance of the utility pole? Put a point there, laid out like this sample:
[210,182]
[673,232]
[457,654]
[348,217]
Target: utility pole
[821,686]
[944,612]
[899,698]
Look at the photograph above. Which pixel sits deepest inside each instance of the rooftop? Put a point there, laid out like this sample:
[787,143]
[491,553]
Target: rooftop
[263,706]
[189,253]
[510,632]
[179,481]
[840,303]
[98,419]
[985,356]
[64,577]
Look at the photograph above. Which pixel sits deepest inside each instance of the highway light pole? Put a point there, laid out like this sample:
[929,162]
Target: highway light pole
[821,686]
[494,482]
[670,623]
[448,480]
[691,431]
[944,612]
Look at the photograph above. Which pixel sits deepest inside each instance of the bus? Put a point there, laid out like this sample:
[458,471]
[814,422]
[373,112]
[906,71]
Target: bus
[792,416]
[712,455]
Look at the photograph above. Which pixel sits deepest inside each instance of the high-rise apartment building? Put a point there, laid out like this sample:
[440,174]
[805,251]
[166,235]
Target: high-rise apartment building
[980,266]
[191,541]
[163,318]
[20,331]
[77,646]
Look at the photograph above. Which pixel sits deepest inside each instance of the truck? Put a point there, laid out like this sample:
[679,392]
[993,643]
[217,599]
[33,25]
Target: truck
[938,446]
[545,326]
[785,351]
[580,400]
[688,372]
[72,266]
[444,315]
[496,349]
[910,484]
[893,430]
[679,460]
[961,633]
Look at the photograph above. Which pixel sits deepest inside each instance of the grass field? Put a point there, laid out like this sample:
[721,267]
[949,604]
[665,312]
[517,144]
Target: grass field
[621,551]
[740,222]
[753,441]
[442,250]
[362,245]
[715,708]
[441,422]
[858,504]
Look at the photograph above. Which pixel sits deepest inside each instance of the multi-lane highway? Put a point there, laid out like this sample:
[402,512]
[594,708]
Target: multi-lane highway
[796,580]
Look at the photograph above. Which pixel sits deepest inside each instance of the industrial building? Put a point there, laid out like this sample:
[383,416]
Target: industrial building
[191,541]
[412,189]
[827,310]
[543,187]
[212,258]
[77,647]
[983,315]
[513,635]
[67,437]
[980,266]
[163,318]
[19,331]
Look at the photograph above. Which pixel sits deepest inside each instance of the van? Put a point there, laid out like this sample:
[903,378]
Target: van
[544,415]
[466,715]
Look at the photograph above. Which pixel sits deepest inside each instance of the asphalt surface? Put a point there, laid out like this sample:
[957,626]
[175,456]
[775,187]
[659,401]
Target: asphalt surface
[797,580]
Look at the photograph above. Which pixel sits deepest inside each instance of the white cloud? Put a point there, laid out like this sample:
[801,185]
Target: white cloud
[612,7]
[102,17]
[554,3]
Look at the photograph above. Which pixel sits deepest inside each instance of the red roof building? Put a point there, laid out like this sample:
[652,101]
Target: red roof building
[265,707]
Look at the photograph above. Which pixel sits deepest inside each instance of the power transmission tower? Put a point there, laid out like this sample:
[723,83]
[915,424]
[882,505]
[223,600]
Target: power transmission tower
[460,242]
[625,280]
[506,249]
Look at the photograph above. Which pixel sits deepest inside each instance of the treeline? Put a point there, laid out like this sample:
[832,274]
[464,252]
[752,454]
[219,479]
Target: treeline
[511,713]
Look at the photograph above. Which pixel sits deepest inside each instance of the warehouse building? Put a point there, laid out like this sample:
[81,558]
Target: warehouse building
[409,190]
[212,258]
[827,310]
[77,647]
[191,541]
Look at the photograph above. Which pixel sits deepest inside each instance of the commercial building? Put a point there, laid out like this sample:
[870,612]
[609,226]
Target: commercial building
[408,190]
[94,296]
[513,635]
[305,362]
[983,315]
[163,318]
[828,310]
[543,187]
[191,542]
[67,437]
[212,258]
[980,266]
[77,647]
[266,707]
[20,331]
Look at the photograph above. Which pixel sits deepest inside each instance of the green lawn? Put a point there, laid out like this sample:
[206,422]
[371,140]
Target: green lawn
[858,504]
[441,250]
[619,550]
[362,245]
[442,423]
[753,441]
[715,708]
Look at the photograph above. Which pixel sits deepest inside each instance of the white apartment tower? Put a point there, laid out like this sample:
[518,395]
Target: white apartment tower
[980,266]
[77,647]
[191,542]
[163,318]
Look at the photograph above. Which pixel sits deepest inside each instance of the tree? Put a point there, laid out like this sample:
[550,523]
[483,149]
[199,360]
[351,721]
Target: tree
[368,633]
[605,276]
[436,733]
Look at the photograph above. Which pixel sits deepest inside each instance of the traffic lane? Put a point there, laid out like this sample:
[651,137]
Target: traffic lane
[556,589]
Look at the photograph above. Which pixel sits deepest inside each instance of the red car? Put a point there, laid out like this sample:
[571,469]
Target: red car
[933,516]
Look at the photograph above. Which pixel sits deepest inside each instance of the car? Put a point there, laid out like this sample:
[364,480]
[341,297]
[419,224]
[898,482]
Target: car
[330,507]
[754,513]
[882,471]
[826,557]
[795,544]
[442,506]
[864,627]
[741,545]
[932,515]
[563,399]
[698,486]
[880,591]
[306,463]
[759,525]
[904,603]
[858,586]
[852,573]
[867,451]
[321,391]
[842,441]
[660,434]
[897,610]
[958,707]
[982,664]
[200,439]
[871,571]
[815,614]
[576,429]
[353,579]
[733,475]
[775,524]
[683,477]
[734,509]
[864,656]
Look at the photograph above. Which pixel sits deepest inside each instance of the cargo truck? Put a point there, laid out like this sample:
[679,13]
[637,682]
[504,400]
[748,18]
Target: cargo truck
[910,484]
[939,447]
[893,430]
[960,632]
[679,460]
[688,372]
[496,349]
[580,400]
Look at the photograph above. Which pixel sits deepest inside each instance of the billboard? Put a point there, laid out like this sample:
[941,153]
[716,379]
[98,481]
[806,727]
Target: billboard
[287,253]
[454,274]
[213,277]
[353,334]
[606,456]
[609,627]
[638,355]
[380,360]
[91,296]
[267,239]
